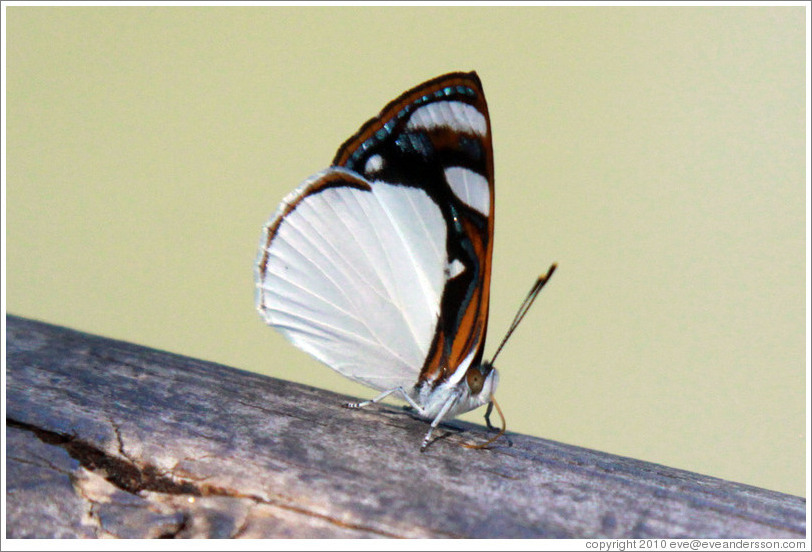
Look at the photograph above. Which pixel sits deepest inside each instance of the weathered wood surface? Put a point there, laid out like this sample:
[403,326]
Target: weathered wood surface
[106,438]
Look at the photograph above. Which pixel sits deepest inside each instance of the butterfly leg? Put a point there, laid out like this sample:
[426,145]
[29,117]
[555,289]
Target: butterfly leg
[448,404]
[383,396]
[488,411]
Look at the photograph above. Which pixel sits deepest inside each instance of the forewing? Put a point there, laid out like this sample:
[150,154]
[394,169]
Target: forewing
[437,138]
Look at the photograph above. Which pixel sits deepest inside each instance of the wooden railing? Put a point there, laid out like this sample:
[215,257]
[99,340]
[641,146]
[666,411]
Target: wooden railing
[106,438]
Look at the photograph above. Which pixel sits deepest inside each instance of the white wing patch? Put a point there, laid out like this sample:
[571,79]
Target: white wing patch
[373,164]
[457,116]
[455,268]
[470,187]
[355,278]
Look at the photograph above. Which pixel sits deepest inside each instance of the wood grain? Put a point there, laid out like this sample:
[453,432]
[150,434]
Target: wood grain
[106,438]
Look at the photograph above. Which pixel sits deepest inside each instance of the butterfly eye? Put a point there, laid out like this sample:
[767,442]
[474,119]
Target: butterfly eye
[475,380]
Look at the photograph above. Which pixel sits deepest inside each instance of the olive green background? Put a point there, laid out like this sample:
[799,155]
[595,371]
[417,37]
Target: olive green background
[657,154]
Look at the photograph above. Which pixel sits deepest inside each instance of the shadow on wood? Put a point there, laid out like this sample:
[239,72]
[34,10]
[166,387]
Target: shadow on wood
[106,438]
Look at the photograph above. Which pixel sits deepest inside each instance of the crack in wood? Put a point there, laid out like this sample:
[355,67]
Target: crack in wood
[123,474]
[127,476]
[119,440]
[91,516]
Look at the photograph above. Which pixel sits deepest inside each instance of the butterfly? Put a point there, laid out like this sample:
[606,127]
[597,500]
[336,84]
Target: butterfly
[380,265]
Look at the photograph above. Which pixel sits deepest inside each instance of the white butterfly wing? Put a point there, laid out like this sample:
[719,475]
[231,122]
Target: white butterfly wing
[380,265]
[352,272]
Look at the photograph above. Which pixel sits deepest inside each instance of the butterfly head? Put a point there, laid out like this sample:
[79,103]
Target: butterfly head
[482,380]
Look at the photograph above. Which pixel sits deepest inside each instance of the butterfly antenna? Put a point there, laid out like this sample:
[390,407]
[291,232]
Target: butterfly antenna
[525,306]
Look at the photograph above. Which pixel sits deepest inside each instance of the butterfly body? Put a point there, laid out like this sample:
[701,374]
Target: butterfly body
[379,266]
[465,398]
